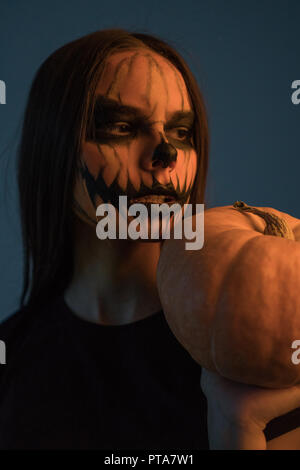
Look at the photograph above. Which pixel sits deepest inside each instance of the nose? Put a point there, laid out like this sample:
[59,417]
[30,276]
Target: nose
[164,154]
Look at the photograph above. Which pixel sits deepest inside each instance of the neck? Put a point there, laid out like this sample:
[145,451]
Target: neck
[114,281]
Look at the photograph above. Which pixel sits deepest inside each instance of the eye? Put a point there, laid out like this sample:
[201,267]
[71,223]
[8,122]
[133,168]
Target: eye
[183,134]
[119,128]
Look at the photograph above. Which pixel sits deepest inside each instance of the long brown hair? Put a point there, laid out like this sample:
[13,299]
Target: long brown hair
[60,102]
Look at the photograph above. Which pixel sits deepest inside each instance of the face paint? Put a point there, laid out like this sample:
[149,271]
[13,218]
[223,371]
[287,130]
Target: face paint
[165,154]
[140,141]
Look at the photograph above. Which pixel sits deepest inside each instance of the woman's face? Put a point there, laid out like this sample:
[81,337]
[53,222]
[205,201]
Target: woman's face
[142,106]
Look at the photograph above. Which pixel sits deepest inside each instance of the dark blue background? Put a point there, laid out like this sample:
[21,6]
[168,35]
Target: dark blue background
[245,55]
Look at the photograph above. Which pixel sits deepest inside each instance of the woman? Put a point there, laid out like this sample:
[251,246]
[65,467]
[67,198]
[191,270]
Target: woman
[91,362]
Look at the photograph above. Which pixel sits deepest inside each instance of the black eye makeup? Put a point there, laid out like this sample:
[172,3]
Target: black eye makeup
[118,131]
[120,128]
[114,122]
[180,136]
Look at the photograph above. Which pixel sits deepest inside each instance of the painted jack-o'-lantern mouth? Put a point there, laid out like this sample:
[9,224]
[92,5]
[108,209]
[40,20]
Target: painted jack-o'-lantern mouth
[154,199]
[158,195]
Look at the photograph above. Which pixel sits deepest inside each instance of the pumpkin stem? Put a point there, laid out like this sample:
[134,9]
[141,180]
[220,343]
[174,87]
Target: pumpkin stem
[276,226]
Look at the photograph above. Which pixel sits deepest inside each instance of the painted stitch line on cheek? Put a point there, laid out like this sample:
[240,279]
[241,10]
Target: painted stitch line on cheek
[103,158]
[99,185]
[194,167]
[188,162]
[122,174]
[132,168]
[184,188]
[89,184]
[112,167]
[173,178]
[189,169]
[120,163]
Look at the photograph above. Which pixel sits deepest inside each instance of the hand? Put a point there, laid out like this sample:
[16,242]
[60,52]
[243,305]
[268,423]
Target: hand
[238,413]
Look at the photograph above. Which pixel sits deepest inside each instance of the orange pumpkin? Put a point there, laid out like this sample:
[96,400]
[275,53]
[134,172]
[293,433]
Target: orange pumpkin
[235,304]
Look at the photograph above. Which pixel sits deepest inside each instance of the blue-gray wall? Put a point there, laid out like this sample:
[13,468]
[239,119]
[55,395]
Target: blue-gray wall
[245,55]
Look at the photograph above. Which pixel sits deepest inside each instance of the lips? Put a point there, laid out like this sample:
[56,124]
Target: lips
[154,199]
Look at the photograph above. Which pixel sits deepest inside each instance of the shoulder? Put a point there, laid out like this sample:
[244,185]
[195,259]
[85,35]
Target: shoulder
[11,327]
[27,319]
[8,326]
[27,329]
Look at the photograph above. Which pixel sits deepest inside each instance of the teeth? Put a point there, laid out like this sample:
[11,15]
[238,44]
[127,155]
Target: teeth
[153,198]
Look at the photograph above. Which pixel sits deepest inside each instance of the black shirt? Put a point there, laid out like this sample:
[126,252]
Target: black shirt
[72,384]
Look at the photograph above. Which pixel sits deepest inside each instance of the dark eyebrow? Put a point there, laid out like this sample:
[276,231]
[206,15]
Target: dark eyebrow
[112,107]
[181,117]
